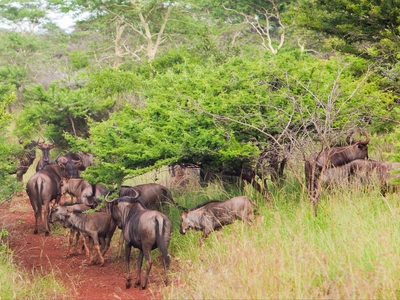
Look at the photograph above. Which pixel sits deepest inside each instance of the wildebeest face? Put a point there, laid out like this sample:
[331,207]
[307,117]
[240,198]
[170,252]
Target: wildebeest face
[46,150]
[186,223]
[64,185]
[56,213]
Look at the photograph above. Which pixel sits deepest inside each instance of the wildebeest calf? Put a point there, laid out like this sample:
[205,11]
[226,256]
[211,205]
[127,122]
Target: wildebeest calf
[58,213]
[212,215]
[98,226]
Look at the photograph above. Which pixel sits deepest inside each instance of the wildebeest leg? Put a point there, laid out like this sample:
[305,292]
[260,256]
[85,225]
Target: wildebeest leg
[35,231]
[107,241]
[203,237]
[121,243]
[86,241]
[97,248]
[148,266]
[46,218]
[128,249]
[73,237]
[166,261]
[139,268]
[103,245]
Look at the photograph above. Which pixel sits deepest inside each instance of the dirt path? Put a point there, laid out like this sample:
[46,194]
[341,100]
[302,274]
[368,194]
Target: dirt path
[38,252]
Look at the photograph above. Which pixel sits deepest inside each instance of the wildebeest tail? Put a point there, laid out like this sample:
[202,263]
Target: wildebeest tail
[39,200]
[162,240]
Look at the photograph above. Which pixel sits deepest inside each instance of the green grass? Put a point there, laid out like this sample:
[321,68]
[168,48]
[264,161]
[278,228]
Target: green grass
[350,251]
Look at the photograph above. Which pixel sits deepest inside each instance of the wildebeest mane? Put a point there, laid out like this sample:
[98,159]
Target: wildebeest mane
[204,204]
[131,200]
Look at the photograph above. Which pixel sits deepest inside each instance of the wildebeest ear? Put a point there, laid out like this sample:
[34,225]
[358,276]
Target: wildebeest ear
[185,210]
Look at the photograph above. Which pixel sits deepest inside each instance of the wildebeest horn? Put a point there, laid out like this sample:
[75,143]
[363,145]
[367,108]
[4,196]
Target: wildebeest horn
[367,139]
[106,198]
[348,141]
[137,194]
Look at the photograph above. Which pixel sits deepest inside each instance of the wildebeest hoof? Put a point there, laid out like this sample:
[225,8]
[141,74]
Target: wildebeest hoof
[35,232]
[47,233]
[143,287]
[128,284]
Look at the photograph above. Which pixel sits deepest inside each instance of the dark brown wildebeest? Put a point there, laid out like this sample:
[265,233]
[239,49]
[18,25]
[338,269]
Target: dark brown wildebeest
[75,162]
[42,188]
[98,226]
[91,194]
[75,187]
[364,172]
[143,229]
[57,214]
[26,159]
[214,214]
[152,195]
[334,156]
[45,159]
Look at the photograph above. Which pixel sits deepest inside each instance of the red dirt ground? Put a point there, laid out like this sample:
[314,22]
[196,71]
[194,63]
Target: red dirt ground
[38,252]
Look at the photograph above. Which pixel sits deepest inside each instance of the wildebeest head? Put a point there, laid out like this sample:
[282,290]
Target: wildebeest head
[45,159]
[30,148]
[91,194]
[64,185]
[186,223]
[341,155]
[74,163]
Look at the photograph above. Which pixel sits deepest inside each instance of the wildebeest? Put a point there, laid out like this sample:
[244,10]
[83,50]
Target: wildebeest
[45,159]
[333,157]
[91,194]
[98,226]
[75,187]
[42,188]
[363,172]
[58,213]
[214,214]
[26,159]
[152,195]
[143,229]
[75,162]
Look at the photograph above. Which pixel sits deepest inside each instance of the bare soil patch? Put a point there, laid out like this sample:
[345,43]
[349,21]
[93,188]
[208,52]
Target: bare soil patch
[48,254]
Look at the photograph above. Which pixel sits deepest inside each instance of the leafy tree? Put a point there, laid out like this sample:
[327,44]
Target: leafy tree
[369,28]
[8,150]
[222,117]
[26,15]
[57,110]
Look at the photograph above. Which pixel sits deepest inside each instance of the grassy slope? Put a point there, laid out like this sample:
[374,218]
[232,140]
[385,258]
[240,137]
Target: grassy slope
[351,250]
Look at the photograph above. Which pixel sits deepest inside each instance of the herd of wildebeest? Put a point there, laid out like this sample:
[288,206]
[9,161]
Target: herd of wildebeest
[141,211]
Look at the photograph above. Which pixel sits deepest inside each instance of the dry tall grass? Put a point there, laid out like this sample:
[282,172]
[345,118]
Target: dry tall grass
[350,251]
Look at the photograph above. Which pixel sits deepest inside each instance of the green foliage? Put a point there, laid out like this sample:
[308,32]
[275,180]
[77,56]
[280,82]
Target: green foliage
[79,59]
[220,115]
[59,109]
[24,14]
[367,27]
[8,150]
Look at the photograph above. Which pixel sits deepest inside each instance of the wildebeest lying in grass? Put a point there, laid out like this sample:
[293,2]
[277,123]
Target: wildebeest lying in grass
[58,213]
[214,214]
[98,226]
[143,229]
